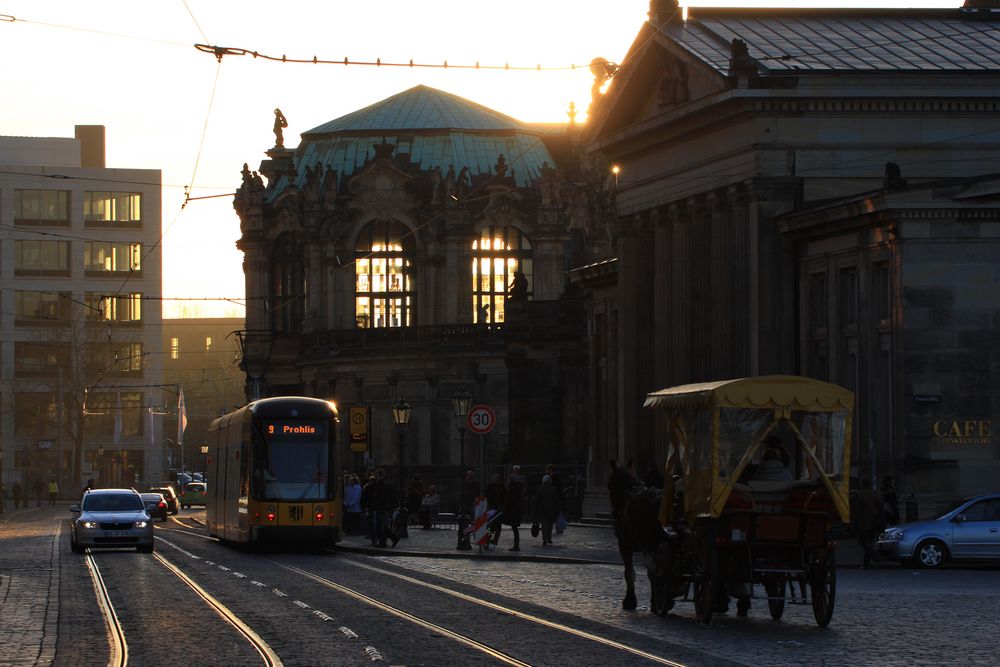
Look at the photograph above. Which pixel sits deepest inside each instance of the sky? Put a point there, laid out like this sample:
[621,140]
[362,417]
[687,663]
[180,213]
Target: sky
[131,66]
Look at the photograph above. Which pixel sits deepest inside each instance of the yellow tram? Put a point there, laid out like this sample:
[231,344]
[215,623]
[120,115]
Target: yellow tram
[273,472]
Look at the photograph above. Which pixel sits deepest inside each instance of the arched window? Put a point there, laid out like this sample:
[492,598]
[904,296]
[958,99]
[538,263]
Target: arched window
[496,255]
[384,287]
[288,285]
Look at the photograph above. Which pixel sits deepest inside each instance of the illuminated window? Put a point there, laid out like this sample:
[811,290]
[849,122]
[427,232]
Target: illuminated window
[112,208]
[41,257]
[384,272]
[288,285]
[114,357]
[208,343]
[104,407]
[175,348]
[496,255]
[41,207]
[110,257]
[122,309]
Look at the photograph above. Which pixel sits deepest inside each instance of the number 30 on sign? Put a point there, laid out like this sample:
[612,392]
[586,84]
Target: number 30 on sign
[481,419]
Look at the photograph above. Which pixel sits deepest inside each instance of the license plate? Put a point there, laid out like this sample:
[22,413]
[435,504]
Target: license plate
[116,533]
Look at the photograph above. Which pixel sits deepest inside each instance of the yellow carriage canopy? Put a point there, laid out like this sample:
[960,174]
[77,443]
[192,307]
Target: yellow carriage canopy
[715,428]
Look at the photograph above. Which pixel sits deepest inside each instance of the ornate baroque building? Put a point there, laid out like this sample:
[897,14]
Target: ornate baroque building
[416,247]
[808,192]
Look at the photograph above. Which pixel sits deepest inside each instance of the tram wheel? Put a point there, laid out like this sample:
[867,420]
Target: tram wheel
[776,606]
[823,588]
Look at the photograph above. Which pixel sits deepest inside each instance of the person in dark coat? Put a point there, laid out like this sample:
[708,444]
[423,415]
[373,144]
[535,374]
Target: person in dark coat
[513,508]
[368,508]
[890,499]
[38,488]
[653,478]
[18,492]
[496,495]
[868,518]
[547,508]
[469,493]
[384,498]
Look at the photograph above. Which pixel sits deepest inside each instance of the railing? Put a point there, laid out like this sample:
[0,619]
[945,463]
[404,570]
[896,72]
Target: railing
[382,336]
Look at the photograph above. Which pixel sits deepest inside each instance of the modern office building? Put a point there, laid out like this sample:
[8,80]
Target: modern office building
[80,288]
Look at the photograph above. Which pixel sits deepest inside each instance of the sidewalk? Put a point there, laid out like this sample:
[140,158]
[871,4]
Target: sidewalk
[579,543]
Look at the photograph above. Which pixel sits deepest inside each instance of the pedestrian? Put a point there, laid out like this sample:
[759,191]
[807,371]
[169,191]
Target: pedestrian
[496,494]
[868,519]
[384,498]
[414,496]
[18,492]
[352,506]
[368,508]
[513,508]
[654,478]
[430,505]
[38,488]
[560,523]
[546,508]
[53,491]
[469,493]
[890,499]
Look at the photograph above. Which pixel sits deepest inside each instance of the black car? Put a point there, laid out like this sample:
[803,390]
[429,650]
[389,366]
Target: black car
[156,505]
[168,493]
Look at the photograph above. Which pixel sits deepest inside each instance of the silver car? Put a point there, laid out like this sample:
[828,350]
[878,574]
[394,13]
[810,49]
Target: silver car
[111,518]
[969,531]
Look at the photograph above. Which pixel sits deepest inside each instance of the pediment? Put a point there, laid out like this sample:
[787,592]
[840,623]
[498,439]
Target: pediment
[381,184]
[663,77]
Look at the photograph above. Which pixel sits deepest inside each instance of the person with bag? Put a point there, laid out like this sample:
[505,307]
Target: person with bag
[513,507]
[560,524]
[546,509]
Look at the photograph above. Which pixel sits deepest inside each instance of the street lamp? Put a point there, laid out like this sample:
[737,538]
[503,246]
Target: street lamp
[460,403]
[401,415]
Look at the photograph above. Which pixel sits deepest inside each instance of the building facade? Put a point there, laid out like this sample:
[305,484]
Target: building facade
[80,292]
[415,248]
[201,357]
[807,192]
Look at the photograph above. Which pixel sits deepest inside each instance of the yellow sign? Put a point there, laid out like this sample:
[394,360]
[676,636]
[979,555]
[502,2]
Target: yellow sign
[359,429]
[963,431]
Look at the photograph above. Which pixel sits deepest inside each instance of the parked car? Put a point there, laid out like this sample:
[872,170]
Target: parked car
[156,505]
[111,518]
[194,493]
[969,531]
[173,504]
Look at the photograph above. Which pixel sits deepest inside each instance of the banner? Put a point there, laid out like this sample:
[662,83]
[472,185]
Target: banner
[182,420]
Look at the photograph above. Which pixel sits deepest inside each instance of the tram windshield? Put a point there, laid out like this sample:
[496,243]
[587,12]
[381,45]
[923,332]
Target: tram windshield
[291,461]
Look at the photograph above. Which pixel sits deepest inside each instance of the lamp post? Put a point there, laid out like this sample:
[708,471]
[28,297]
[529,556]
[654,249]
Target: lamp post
[460,403]
[204,463]
[401,415]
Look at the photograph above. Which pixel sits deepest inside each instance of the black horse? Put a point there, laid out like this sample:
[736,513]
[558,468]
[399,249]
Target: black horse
[635,508]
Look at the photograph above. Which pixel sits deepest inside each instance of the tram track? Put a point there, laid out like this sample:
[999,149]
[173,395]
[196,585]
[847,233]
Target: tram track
[116,634]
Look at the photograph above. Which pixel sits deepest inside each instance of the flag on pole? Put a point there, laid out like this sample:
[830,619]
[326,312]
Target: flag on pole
[182,420]
[118,418]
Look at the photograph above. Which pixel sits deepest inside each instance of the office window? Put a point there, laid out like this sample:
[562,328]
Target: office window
[112,208]
[41,257]
[496,255]
[115,357]
[175,348]
[99,257]
[102,409]
[384,291]
[123,309]
[41,307]
[35,414]
[40,359]
[40,207]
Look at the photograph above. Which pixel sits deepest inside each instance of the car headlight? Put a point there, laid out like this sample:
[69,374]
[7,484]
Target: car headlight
[141,524]
[893,534]
[89,524]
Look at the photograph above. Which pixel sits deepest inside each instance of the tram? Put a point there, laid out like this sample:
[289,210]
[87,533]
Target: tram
[272,473]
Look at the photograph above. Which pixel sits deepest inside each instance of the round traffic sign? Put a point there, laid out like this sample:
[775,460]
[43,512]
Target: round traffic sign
[481,419]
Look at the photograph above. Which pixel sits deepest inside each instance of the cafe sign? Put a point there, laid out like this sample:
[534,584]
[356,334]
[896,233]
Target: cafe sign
[963,431]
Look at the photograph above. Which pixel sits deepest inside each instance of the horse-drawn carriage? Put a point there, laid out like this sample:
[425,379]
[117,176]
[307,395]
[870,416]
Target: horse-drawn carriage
[757,476]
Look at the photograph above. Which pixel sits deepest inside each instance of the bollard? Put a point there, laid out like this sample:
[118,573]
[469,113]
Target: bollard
[911,508]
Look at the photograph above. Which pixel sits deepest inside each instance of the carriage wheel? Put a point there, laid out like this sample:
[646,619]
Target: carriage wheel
[662,596]
[776,606]
[706,582]
[823,586]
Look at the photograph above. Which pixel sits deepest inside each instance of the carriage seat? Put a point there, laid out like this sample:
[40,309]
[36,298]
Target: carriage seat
[771,496]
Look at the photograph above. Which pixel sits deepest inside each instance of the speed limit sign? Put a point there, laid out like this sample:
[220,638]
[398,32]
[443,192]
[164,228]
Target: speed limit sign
[481,419]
